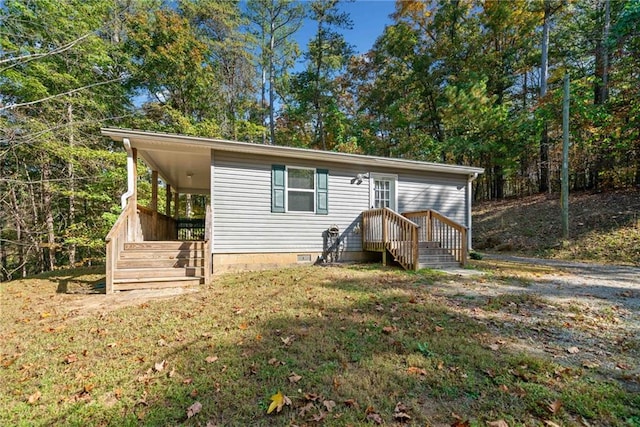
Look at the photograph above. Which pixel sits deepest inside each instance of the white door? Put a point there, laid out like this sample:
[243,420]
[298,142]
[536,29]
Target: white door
[383,191]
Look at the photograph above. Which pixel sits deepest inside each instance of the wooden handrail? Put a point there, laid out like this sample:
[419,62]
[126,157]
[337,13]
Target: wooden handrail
[208,222]
[386,230]
[435,227]
[119,234]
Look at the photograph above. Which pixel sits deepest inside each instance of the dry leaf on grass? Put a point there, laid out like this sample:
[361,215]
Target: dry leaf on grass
[573,350]
[278,401]
[34,397]
[498,423]
[554,406]
[194,409]
[294,378]
[551,423]
[329,404]
[400,413]
[159,366]
[416,371]
[211,359]
[373,416]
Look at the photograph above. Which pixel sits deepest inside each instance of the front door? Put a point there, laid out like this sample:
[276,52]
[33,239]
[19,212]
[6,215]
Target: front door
[383,191]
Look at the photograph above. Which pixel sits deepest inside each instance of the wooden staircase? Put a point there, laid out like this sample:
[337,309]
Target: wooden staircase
[421,239]
[433,255]
[159,264]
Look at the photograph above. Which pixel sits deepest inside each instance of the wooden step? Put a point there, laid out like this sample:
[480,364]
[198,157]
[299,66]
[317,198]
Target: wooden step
[130,263]
[154,273]
[160,254]
[164,245]
[440,265]
[436,258]
[426,245]
[158,283]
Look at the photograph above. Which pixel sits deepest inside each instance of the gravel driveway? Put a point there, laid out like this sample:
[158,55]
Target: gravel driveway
[584,316]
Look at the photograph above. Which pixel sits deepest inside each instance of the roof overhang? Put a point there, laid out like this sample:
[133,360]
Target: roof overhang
[184,161]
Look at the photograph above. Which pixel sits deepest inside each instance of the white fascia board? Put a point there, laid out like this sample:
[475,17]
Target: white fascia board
[184,141]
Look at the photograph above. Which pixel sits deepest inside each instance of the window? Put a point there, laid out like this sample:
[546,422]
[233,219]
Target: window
[301,190]
[296,189]
[383,190]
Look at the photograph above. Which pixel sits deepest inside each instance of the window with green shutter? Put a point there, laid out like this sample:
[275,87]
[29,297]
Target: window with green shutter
[298,189]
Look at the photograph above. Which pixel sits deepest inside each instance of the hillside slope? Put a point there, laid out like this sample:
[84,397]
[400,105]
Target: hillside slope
[603,227]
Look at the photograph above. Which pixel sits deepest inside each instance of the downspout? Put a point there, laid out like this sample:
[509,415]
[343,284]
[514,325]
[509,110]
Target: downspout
[131,176]
[469,201]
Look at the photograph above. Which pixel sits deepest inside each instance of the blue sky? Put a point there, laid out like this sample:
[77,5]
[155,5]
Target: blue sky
[369,19]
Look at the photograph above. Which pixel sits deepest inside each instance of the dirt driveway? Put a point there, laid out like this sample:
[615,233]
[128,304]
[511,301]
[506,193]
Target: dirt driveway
[584,316]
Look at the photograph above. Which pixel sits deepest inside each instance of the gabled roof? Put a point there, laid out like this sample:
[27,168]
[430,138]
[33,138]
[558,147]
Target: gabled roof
[176,156]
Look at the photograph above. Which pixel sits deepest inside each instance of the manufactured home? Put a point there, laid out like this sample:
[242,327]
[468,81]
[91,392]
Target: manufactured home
[271,205]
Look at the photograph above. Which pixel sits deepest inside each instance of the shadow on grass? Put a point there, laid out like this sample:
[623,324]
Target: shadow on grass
[364,343]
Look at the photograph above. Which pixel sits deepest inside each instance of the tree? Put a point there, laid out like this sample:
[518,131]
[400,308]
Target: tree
[314,89]
[274,23]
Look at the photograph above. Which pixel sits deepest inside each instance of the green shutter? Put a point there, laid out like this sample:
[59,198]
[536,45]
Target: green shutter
[277,188]
[322,191]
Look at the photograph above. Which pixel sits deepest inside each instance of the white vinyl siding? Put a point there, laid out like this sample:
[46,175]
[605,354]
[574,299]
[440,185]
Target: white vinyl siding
[245,223]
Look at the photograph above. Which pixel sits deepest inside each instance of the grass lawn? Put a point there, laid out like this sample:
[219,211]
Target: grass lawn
[357,345]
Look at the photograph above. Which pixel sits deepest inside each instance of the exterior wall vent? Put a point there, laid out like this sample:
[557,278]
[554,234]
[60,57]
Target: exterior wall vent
[304,257]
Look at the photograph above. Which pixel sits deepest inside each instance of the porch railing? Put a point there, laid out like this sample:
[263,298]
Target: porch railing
[208,234]
[435,227]
[384,229]
[156,226]
[124,230]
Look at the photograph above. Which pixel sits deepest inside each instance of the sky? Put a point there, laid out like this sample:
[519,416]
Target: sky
[369,19]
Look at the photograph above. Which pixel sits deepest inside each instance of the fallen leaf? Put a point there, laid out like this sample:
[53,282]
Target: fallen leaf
[551,423]
[172,373]
[288,340]
[372,415]
[243,326]
[194,409]
[388,329]
[311,396]
[159,366]
[88,387]
[494,347]
[351,403]
[34,397]
[590,365]
[438,328]
[258,337]
[416,371]
[329,404]
[45,315]
[400,412]
[573,350]
[71,358]
[162,343]
[294,378]
[211,359]
[319,416]
[498,423]
[306,409]
[623,366]
[278,401]
[187,381]
[554,406]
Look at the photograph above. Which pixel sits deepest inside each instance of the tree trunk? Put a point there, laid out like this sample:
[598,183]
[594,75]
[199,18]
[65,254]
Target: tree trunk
[72,185]
[272,125]
[48,214]
[543,184]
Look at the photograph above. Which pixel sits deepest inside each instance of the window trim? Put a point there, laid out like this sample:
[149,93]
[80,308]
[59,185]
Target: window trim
[314,191]
[394,188]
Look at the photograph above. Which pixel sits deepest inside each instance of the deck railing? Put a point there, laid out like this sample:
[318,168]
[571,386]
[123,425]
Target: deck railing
[124,230]
[208,234]
[156,226]
[435,227]
[384,229]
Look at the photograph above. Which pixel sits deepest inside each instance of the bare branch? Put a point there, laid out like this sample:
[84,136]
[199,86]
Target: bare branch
[37,101]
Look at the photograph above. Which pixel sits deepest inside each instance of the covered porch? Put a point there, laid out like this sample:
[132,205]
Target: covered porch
[149,248]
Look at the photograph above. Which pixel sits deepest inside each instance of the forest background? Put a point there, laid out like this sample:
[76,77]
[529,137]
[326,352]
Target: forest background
[474,82]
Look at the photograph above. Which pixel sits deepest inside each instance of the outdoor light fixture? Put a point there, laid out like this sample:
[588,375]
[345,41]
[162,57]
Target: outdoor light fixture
[359,178]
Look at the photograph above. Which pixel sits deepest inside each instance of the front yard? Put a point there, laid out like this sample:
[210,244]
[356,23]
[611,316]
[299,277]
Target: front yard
[353,345]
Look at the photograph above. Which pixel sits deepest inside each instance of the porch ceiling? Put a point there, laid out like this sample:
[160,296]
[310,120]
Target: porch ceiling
[187,168]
